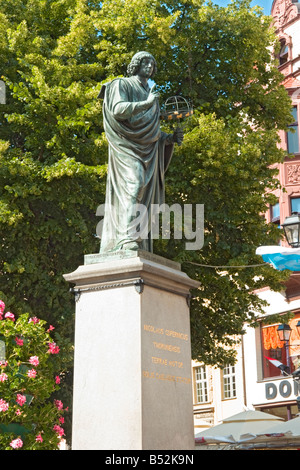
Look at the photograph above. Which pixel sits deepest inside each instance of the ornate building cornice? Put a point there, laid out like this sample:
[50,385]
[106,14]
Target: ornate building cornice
[284,11]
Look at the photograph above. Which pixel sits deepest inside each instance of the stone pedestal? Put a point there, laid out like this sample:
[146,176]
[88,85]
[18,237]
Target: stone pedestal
[132,377]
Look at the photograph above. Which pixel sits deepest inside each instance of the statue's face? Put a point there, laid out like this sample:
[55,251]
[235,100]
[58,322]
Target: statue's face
[146,67]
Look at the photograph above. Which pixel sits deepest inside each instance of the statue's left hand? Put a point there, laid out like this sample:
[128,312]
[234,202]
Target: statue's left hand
[178,136]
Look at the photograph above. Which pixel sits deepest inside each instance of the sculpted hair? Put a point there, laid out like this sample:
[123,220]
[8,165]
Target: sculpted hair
[135,63]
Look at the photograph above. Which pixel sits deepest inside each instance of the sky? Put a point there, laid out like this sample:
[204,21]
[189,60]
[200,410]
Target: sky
[265,4]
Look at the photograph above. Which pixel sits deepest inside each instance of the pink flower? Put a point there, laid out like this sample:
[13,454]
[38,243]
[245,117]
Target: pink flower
[19,341]
[21,399]
[57,380]
[39,438]
[9,316]
[59,404]
[3,377]
[16,443]
[53,348]
[34,360]
[50,328]
[31,373]
[3,405]
[2,307]
[34,320]
[59,430]
[61,420]
[3,363]
[18,412]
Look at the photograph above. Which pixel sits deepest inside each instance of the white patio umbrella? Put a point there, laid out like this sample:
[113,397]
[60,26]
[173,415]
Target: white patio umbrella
[292,426]
[239,427]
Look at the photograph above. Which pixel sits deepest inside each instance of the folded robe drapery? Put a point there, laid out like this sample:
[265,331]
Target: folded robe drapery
[139,155]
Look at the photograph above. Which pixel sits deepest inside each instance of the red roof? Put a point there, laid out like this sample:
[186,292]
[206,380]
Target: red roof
[291,83]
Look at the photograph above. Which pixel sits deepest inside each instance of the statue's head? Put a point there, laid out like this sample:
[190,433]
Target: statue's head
[135,63]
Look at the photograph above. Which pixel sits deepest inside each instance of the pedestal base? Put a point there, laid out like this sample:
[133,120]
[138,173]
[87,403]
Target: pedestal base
[132,376]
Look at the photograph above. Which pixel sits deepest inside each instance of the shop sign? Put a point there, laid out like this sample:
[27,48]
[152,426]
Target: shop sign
[284,388]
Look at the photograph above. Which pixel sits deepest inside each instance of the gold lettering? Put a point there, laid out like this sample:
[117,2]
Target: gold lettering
[166,347]
[149,375]
[153,329]
[176,364]
[168,377]
[176,334]
[159,360]
[161,331]
[184,380]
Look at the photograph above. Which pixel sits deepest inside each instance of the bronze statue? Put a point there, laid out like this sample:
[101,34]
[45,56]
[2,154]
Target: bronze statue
[139,153]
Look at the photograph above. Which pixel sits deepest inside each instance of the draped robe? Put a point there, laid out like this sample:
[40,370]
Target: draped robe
[139,155]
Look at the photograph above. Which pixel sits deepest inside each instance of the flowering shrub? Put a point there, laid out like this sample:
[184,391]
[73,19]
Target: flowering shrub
[29,418]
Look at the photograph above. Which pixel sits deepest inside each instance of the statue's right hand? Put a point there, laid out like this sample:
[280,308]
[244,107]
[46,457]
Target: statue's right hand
[153,95]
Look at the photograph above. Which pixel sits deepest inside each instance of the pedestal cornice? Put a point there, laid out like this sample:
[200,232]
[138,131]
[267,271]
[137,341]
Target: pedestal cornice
[138,268]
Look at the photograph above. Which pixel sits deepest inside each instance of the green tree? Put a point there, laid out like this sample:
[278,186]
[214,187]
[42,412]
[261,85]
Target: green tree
[54,56]
[51,170]
[221,59]
[52,156]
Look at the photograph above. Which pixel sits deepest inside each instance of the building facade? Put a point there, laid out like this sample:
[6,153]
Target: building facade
[254,382]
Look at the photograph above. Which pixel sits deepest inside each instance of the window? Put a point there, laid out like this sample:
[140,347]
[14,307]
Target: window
[293,137]
[295,204]
[229,382]
[274,350]
[275,218]
[201,384]
[275,214]
[284,52]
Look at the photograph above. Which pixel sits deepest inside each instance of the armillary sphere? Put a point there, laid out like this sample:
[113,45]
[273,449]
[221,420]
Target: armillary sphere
[176,108]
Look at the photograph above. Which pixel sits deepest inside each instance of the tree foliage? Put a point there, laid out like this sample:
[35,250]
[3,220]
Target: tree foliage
[53,153]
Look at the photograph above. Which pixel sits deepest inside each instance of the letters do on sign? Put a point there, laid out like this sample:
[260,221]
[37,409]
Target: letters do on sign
[284,389]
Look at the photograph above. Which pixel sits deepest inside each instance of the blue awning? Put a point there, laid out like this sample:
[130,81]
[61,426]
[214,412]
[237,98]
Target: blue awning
[280,257]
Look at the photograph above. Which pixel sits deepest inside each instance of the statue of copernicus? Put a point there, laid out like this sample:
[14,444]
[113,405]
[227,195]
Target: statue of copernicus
[139,154]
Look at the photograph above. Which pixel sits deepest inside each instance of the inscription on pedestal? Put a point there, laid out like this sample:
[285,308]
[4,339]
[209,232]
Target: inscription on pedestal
[171,366]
